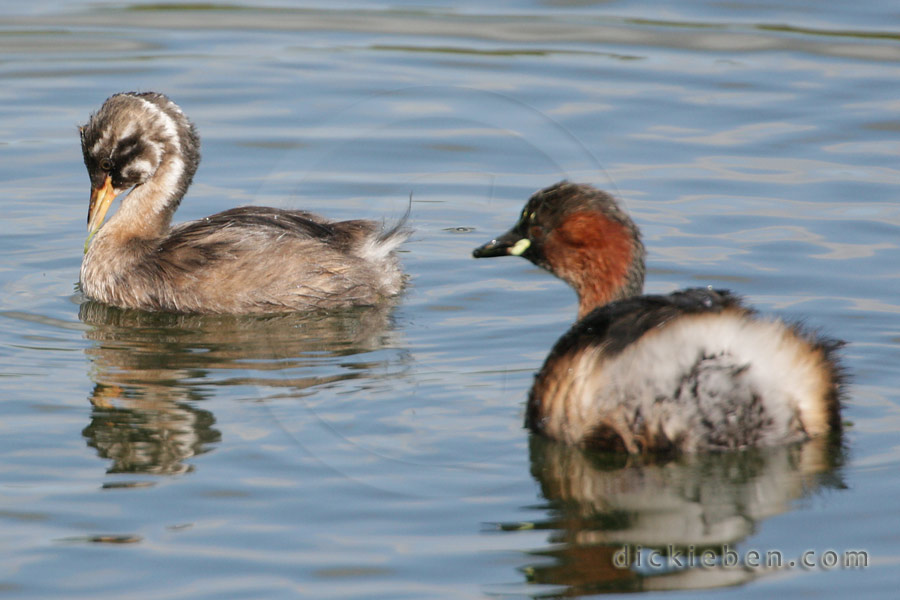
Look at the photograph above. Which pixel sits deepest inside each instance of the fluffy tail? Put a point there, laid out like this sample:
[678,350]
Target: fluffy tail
[388,240]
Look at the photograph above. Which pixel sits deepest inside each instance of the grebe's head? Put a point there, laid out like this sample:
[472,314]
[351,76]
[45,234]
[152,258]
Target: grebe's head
[133,138]
[581,235]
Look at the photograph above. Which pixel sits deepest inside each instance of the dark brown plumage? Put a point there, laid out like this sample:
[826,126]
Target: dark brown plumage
[245,260]
[694,370]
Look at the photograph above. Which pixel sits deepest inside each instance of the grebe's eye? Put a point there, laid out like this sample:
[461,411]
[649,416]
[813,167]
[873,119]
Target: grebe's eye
[535,232]
[106,164]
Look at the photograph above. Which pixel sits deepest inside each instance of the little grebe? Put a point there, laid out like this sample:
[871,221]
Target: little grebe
[690,371]
[250,259]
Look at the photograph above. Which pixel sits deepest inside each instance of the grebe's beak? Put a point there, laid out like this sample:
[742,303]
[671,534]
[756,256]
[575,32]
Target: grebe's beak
[101,199]
[508,244]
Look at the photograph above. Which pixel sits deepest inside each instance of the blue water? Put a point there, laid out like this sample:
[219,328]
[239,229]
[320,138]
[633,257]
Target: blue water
[380,453]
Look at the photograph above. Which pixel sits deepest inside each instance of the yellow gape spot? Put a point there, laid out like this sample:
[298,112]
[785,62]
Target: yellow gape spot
[520,247]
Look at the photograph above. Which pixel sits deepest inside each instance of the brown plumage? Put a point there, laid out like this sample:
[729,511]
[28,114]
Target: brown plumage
[694,370]
[245,260]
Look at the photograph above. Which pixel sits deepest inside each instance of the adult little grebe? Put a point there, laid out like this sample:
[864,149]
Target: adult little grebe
[250,259]
[694,370]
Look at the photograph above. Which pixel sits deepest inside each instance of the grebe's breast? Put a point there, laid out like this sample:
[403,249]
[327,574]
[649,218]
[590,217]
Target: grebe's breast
[694,370]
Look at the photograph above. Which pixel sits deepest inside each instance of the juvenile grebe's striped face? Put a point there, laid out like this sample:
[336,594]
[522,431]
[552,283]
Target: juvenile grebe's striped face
[133,139]
[126,140]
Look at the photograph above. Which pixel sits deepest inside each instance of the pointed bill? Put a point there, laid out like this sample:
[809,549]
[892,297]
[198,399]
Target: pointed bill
[101,199]
[510,243]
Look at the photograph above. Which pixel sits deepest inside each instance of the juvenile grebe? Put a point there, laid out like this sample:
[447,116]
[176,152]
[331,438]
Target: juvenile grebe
[250,259]
[694,370]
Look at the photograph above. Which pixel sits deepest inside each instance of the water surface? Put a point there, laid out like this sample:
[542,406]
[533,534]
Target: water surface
[379,453]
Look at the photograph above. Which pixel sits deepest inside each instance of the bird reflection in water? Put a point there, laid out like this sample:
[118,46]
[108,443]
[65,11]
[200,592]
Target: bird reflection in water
[600,503]
[152,371]
[146,428]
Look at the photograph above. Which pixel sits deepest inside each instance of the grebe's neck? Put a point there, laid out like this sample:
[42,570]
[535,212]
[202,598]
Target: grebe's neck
[591,297]
[603,284]
[146,211]
[601,258]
